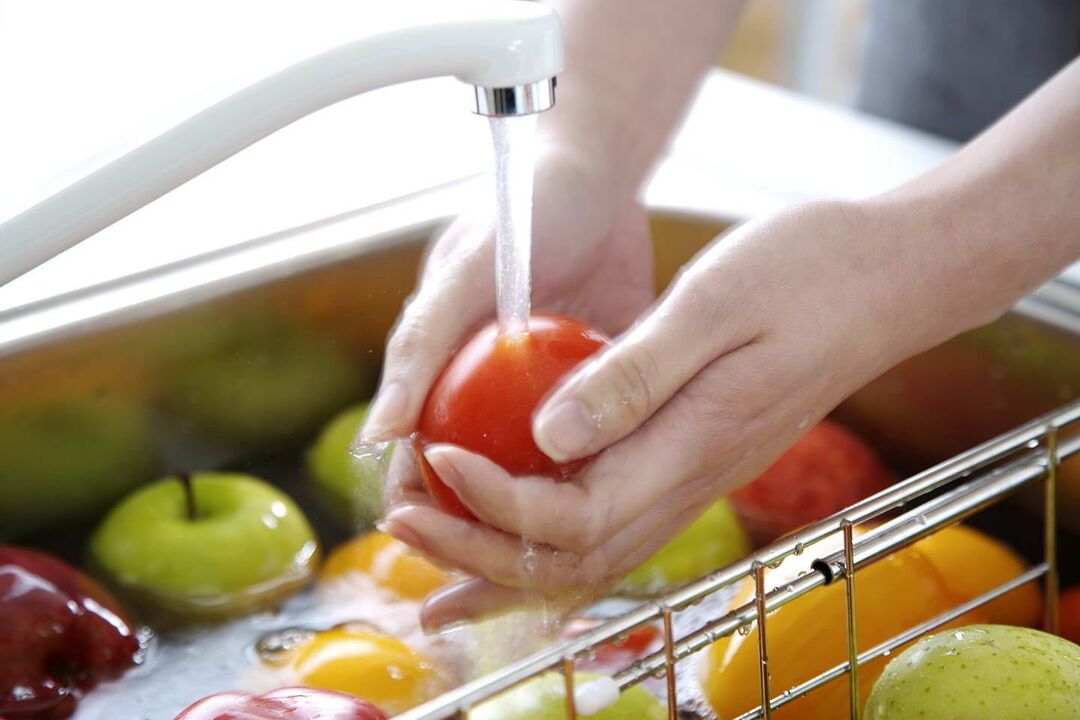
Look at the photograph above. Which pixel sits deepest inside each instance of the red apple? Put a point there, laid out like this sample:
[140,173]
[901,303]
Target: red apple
[828,469]
[296,703]
[60,635]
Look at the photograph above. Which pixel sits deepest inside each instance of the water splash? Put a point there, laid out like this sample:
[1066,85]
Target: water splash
[514,141]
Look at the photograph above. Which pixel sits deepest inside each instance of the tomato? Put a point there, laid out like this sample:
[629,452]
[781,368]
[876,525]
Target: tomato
[485,398]
[824,472]
[623,650]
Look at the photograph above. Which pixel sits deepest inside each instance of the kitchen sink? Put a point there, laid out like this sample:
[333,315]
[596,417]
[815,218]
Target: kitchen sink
[235,359]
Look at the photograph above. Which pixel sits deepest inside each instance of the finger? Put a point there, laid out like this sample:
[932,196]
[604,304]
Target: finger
[616,392]
[477,598]
[511,503]
[403,482]
[503,559]
[624,481]
[430,327]
[471,599]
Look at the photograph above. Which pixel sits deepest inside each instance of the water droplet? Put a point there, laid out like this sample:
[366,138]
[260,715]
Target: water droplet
[799,548]
[395,672]
[744,630]
[275,646]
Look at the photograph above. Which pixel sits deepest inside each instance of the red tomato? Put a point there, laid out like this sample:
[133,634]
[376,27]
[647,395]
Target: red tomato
[485,398]
[828,469]
[623,651]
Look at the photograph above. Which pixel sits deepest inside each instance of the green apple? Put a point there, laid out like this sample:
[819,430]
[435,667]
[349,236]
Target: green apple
[219,546]
[712,541]
[981,671]
[350,486]
[544,698]
[70,461]
[270,388]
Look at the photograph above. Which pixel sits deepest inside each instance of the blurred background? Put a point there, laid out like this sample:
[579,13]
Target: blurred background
[810,46]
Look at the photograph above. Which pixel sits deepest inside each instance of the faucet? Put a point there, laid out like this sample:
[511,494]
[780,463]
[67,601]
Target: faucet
[509,50]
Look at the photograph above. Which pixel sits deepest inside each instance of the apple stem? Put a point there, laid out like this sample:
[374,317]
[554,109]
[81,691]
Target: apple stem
[189,494]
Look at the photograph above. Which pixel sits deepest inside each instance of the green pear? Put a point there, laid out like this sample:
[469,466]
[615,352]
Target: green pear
[222,546]
[544,698]
[995,672]
[712,541]
[69,461]
[350,486]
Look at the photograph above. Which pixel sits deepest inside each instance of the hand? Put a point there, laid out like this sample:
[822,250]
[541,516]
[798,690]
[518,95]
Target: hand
[592,260]
[761,337]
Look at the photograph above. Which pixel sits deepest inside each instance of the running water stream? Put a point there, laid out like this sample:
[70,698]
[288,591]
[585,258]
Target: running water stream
[514,141]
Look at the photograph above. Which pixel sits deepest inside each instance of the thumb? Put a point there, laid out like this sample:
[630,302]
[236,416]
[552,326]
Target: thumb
[613,394]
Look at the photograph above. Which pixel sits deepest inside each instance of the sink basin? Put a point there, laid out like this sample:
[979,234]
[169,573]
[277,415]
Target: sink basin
[235,359]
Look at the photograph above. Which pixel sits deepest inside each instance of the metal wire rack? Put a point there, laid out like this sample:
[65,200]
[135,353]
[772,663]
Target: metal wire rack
[927,502]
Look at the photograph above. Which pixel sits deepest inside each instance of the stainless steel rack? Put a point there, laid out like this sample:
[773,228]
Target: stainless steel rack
[917,508]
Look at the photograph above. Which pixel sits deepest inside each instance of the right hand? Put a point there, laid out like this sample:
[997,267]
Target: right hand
[592,259]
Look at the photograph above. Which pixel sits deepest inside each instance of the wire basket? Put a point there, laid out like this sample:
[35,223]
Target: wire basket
[925,503]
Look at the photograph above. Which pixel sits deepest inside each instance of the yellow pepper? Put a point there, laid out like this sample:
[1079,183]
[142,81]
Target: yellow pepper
[808,635]
[390,563]
[376,667]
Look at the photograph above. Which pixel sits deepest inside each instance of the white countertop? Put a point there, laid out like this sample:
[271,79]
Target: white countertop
[745,148]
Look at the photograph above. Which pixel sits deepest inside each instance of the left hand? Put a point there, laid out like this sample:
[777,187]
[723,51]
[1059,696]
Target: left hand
[757,340]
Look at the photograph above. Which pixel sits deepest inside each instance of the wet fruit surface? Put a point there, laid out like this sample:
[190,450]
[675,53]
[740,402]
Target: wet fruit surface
[825,471]
[808,636]
[364,663]
[60,635]
[485,398]
[286,704]
[981,671]
[390,563]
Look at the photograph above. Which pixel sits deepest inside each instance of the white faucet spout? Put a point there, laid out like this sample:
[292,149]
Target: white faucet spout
[510,50]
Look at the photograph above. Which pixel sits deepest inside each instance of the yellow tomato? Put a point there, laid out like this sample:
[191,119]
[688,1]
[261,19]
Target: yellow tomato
[390,563]
[971,563]
[808,635]
[376,667]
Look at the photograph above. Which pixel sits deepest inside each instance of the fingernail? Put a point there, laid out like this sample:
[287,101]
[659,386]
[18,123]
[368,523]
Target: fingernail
[444,467]
[390,404]
[399,530]
[567,430]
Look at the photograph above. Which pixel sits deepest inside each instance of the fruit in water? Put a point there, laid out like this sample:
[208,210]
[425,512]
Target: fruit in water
[715,539]
[485,398]
[1070,614]
[242,544]
[351,487]
[389,563]
[275,386]
[981,671]
[364,663]
[294,703]
[620,652]
[69,461]
[825,471]
[60,635]
[544,698]
[807,636]
[971,562]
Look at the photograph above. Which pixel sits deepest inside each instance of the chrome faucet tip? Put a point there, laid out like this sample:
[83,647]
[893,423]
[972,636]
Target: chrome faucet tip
[517,100]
